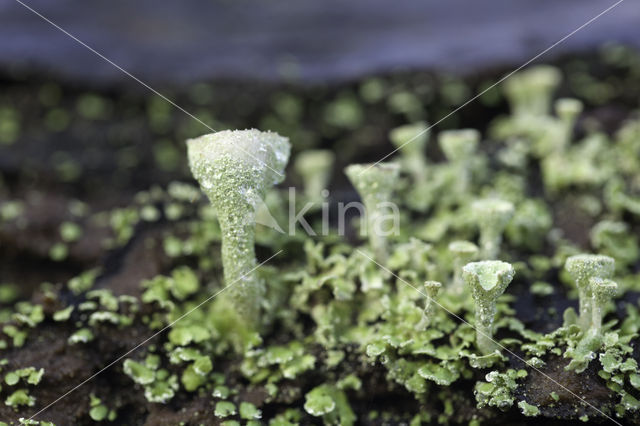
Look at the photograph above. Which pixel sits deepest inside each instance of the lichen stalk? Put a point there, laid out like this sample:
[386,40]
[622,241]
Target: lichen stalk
[234,169]
[603,290]
[582,268]
[431,290]
[487,280]
[493,215]
[375,185]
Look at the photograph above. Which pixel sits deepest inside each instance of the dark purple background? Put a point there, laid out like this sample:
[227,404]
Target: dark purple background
[187,40]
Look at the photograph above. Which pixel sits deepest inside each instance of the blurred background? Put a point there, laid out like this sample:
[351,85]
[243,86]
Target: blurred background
[310,41]
[78,136]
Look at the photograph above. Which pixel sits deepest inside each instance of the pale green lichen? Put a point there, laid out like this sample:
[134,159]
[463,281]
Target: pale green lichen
[498,389]
[462,252]
[30,375]
[528,409]
[459,147]
[84,335]
[225,409]
[248,411]
[235,169]
[582,268]
[315,167]
[602,292]
[330,403]
[63,314]
[487,281]
[567,110]
[375,184]
[615,239]
[99,411]
[411,140]
[431,289]
[20,397]
[492,216]
[530,91]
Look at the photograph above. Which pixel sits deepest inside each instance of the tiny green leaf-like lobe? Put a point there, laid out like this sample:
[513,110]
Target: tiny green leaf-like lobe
[20,397]
[249,411]
[138,372]
[319,401]
[437,373]
[528,409]
[225,409]
[331,403]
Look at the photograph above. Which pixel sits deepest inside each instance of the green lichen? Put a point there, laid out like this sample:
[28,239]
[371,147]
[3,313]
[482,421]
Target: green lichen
[315,167]
[336,329]
[528,409]
[331,404]
[234,169]
[492,215]
[431,289]
[487,281]
[497,390]
[375,183]
[459,147]
[20,397]
[582,268]
[225,409]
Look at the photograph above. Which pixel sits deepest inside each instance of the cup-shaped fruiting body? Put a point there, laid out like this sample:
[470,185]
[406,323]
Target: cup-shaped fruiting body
[234,169]
[463,252]
[459,146]
[603,290]
[582,268]
[487,280]
[431,289]
[375,183]
[530,91]
[492,216]
[411,140]
[567,110]
[315,167]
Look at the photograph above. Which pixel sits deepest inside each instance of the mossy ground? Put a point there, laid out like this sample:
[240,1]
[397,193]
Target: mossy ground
[339,342]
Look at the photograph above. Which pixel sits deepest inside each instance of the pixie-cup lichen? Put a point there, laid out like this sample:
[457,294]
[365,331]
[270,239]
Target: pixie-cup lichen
[530,91]
[314,167]
[582,268]
[603,290]
[234,169]
[463,252]
[431,289]
[492,215]
[375,183]
[411,140]
[459,146]
[487,280]
[567,110]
